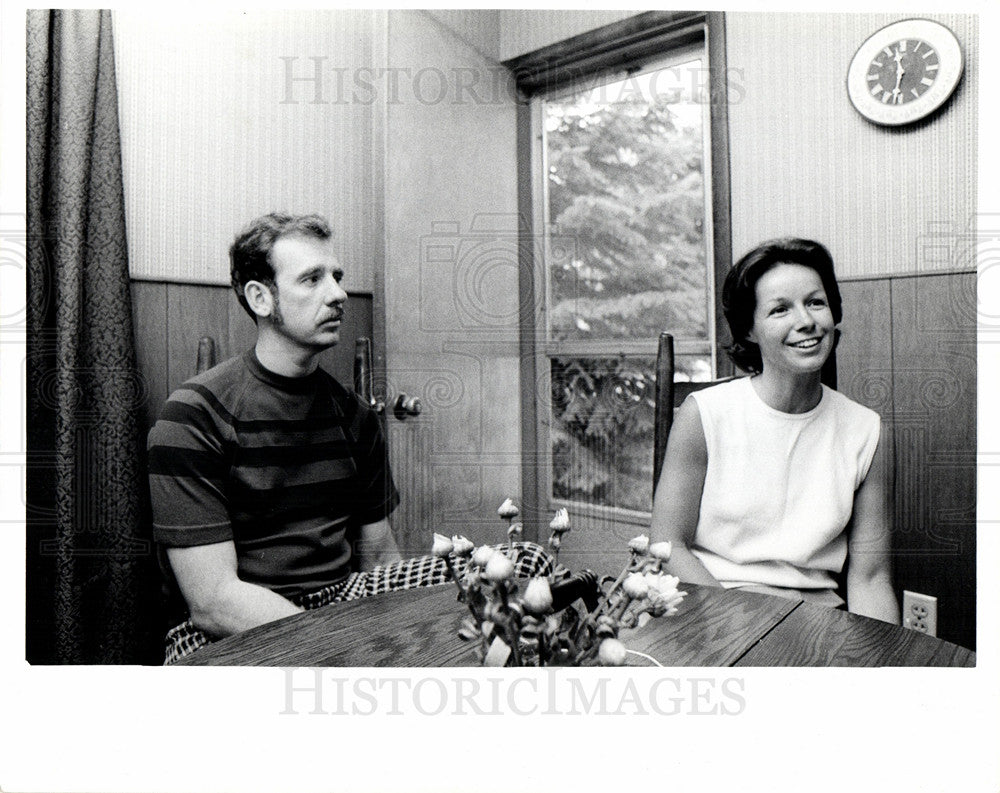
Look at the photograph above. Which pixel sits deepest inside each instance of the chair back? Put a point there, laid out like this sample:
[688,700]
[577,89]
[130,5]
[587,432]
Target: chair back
[206,354]
[363,377]
[669,394]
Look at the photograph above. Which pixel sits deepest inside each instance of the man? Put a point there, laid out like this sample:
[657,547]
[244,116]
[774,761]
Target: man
[269,480]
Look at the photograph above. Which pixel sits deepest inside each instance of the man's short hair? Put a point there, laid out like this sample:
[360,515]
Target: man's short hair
[739,292]
[250,253]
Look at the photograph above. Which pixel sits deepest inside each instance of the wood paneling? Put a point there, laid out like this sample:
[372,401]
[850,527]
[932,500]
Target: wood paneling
[864,354]
[934,406]
[909,352]
[170,319]
[339,360]
[149,320]
[242,329]
[194,312]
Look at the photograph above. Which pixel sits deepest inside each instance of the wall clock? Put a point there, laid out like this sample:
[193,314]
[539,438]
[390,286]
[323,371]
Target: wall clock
[904,72]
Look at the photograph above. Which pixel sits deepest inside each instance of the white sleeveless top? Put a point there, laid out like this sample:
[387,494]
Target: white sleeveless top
[779,488]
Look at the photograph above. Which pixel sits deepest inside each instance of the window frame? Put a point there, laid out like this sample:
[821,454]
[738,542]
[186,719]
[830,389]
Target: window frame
[674,37]
[628,347]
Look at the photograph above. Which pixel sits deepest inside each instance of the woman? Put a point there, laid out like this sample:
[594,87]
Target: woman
[770,481]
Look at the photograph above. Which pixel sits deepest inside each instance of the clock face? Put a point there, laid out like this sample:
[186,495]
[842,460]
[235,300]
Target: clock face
[904,71]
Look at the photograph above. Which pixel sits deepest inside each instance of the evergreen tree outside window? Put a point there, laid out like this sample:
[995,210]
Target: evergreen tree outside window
[624,180]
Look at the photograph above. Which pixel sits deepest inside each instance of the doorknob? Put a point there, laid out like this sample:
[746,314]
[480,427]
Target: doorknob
[406,406]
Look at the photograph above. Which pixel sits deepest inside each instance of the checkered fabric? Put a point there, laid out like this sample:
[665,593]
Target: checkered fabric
[532,560]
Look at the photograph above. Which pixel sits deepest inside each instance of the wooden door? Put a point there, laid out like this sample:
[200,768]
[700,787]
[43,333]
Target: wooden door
[449,318]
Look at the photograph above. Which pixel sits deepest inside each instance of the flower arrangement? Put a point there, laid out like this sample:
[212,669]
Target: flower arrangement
[537,627]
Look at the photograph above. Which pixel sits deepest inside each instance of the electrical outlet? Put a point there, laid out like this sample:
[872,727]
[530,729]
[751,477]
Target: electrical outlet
[920,612]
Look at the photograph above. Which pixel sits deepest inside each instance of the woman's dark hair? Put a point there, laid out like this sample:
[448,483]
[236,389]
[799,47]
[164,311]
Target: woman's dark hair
[739,292]
[250,253]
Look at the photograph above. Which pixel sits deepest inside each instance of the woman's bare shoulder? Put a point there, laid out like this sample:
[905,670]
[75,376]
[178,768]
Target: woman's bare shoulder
[687,436]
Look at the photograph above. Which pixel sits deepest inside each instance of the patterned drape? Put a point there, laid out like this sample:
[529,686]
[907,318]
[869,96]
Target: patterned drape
[91,582]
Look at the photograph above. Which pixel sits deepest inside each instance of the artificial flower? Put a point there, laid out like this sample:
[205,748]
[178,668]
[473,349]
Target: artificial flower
[662,583]
[482,555]
[661,551]
[507,509]
[560,523]
[442,546]
[538,596]
[499,568]
[522,630]
[611,653]
[635,586]
[462,546]
[663,595]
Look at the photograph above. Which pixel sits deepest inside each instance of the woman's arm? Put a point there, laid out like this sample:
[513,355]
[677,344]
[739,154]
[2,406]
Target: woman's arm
[869,562]
[678,494]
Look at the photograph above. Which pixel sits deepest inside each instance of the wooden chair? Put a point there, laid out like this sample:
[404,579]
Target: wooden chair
[668,395]
[206,354]
[363,378]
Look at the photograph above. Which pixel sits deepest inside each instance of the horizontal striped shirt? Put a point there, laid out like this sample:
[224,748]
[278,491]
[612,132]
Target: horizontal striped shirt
[284,467]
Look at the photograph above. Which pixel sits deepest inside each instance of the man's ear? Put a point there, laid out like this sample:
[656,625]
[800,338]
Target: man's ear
[259,298]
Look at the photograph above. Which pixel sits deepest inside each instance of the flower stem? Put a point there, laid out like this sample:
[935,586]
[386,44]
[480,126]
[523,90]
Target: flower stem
[513,630]
[603,606]
[454,576]
[622,606]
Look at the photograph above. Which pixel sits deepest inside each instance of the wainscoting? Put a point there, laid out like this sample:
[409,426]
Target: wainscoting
[171,318]
[909,352]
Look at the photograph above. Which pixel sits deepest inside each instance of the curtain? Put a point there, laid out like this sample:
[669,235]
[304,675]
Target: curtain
[91,578]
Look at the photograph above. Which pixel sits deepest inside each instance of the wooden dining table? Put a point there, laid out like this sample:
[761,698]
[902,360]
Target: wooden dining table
[713,627]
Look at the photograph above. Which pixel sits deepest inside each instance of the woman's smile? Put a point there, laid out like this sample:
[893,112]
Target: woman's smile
[792,325]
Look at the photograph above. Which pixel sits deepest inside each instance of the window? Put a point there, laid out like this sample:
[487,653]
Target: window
[622,173]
